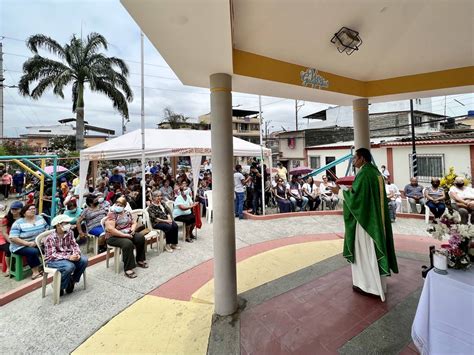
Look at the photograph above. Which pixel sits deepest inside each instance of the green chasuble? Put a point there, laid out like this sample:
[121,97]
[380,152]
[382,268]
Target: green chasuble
[366,203]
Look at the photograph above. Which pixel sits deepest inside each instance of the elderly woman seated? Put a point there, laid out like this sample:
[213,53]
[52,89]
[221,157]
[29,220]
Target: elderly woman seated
[23,234]
[462,199]
[434,197]
[120,232]
[62,253]
[161,219]
[182,212]
[328,195]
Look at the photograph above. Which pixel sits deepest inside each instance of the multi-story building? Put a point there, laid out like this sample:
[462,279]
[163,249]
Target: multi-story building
[245,124]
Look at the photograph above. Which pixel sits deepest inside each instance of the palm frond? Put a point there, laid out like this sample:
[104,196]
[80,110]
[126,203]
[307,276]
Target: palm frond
[39,40]
[93,43]
[117,98]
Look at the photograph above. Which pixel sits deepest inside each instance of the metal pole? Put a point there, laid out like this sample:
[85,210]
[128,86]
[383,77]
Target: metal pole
[2,79]
[53,197]
[261,155]
[414,161]
[143,119]
[296,113]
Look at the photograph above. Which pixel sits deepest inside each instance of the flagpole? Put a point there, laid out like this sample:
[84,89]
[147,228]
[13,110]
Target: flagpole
[261,150]
[142,66]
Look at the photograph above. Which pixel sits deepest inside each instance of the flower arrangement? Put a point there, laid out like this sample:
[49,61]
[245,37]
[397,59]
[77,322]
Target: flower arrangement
[448,180]
[458,237]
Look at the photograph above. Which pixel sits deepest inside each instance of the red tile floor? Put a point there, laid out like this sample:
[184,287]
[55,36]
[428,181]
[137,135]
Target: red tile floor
[321,316]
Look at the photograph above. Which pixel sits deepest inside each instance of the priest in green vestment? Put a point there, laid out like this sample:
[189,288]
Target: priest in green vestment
[368,240]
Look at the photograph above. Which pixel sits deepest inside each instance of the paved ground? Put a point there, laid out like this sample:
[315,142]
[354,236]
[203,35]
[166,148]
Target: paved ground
[86,311]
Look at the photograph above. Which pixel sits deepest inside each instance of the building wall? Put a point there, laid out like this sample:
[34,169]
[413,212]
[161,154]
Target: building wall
[287,153]
[457,156]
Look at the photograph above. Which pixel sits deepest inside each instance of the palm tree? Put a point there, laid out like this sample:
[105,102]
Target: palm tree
[80,62]
[174,119]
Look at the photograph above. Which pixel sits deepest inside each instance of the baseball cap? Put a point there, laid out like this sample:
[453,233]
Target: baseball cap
[16,205]
[60,219]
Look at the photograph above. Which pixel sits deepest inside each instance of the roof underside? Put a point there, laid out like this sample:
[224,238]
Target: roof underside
[265,44]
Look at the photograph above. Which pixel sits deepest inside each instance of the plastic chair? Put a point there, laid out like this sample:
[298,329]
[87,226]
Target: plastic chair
[141,217]
[170,205]
[209,207]
[117,251]
[50,270]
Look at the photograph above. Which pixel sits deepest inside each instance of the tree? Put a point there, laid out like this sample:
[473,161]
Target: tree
[80,62]
[174,119]
[64,146]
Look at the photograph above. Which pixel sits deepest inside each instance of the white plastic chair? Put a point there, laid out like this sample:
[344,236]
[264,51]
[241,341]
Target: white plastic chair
[141,217]
[209,207]
[50,270]
[170,205]
[117,251]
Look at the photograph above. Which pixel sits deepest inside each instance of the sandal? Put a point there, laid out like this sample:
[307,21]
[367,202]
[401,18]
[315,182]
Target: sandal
[37,276]
[143,264]
[130,275]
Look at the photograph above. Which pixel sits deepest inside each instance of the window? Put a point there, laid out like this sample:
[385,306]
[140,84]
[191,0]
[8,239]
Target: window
[429,165]
[315,162]
[417,120]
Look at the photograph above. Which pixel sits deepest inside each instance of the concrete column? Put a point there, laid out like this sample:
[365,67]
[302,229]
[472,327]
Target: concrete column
[361,123]
[223,228]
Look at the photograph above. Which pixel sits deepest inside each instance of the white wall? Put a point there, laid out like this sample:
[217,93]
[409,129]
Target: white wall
[297,152]
[457,156]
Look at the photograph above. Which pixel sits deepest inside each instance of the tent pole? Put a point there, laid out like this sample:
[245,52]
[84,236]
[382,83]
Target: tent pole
[142,55]
[261,155]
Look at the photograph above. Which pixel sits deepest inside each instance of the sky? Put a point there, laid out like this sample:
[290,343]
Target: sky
[60,19]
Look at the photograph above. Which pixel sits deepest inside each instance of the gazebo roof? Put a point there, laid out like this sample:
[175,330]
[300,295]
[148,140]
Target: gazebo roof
[410,48]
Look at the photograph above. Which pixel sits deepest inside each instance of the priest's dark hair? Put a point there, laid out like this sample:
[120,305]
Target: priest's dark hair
[365,154]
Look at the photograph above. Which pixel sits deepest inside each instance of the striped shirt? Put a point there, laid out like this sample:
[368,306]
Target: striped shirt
[26,231]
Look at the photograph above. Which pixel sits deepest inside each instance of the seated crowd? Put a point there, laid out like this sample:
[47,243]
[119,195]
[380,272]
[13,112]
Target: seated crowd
[107,211]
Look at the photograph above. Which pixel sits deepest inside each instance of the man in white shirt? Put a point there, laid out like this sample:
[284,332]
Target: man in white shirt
[239,189]
[393,194]
[391,191]
[121,169]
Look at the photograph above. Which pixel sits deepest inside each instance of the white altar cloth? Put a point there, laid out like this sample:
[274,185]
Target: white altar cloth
[444,320]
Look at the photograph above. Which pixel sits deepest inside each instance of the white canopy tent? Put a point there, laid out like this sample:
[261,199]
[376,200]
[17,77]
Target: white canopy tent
[163,143]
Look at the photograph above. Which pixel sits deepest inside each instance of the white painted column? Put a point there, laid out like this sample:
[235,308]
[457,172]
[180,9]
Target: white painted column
[361,123]
[223,228]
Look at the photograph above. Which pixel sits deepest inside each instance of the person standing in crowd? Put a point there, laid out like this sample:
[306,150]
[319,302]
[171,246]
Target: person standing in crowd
[62,252]
[7,223]
[239,189]
[182,212]
[121,169]
[117,178]
[19,181]
[434,196]
[311,192]
[22,237]
[161,219]
[120,232]
[282,172]
[392,197]
[102,179]
[257,188]
[295,194]
[326,188]
[384,171]
[462,199]
[368,240]
[6,183]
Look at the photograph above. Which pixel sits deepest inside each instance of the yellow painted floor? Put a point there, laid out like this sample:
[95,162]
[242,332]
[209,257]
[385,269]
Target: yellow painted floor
[273,264]
[154,325]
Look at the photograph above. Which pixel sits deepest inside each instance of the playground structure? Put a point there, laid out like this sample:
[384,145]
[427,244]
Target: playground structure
[26,162]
